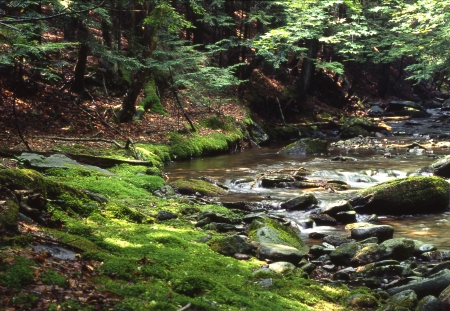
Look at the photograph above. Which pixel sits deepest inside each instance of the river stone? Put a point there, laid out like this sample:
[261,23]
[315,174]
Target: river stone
[336,240]
[346,217]
[423,248]
[230,245]
[440,167]
[368,254]
[267,230]
[305,146]
[411,195]
[344,253]
[318,250]
[438,267]
[430,303]
[279,252]
[301,202]
[444,299]
[436,255]
[333,208]
[429,286]
[274,180]
[281,267]
[382,232]
[362,301]
[190,186]
[323,220]
[216,217]
[402,301]
[399,248]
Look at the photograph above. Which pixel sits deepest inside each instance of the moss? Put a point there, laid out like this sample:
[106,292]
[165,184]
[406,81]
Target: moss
[26,178]
[18,274]
[52,277]
[191,186]
[9,211]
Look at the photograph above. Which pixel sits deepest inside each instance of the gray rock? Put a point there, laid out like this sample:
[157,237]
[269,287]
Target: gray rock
[436,255]
[305,146]
[419,249]
[344,253]
[230,245]
[346,217]
[368,254]
[399,248]
[344,274]
[281,267]
[444,299]
[164,191]
[274,180]
[382,232]
[266,283]
[166,215]
[402,301]
[300,202]
[438,267]
[333,208]
[335,240]
[429,286]
[215,217]
[411,195]
[362,301]
[323,219]
[240,256]
[318,250]
[279,252]
[223,227]
[440,167]
[308,267]
[429,303]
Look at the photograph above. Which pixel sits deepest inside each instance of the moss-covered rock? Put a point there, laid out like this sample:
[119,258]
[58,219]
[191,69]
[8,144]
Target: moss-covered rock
[305,146]
[190,186]
[411,195]
[9,211]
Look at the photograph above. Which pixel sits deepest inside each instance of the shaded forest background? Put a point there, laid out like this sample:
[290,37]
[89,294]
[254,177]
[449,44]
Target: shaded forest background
[139,68]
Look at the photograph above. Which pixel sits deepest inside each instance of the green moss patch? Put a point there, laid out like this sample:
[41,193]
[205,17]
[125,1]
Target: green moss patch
[190,186]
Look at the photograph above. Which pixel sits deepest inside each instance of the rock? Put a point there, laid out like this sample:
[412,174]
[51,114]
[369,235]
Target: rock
[440,167]
[266,283]
[230,245]
[401,301]
[411,195]
[423,248]
[438,267]
[333,208]
[270,231]
[245,206]
[165,191]
[166,215]
[436,255]
[281,267]
[362,301]
[216,217]
[368,254]
[323,220]
[42,163]
[279,252]
[9,212]
[344,274]
[223,227]
[382,232]
[444,299]
[190,186]
[383,269]
[257,133]
[346,217]
[305,146]
[344,253]
[335,240]
[300,202]
[430,303]
[318,250]
[240,256]
[399,248]
[429,286]
[274,180]
[316,235]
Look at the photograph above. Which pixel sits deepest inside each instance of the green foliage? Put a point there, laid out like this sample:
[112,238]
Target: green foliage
[18,274]
[51,277]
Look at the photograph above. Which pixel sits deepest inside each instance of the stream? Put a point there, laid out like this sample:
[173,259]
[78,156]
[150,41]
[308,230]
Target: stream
[390,159]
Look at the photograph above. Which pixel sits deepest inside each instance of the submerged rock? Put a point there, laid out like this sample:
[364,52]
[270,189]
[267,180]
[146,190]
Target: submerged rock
[412,195]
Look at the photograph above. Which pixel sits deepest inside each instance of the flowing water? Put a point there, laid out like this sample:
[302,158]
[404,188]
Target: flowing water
[239,171]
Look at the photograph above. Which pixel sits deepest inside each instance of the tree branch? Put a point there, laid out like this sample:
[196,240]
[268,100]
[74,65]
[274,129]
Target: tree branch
[28,20]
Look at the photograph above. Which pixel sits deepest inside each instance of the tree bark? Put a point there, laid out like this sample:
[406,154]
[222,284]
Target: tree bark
[308,68]
[383,82]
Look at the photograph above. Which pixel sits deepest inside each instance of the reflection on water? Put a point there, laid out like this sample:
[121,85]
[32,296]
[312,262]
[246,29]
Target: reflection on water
[240,172]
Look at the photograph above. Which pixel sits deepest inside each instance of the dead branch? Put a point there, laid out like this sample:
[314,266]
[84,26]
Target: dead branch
[84,139]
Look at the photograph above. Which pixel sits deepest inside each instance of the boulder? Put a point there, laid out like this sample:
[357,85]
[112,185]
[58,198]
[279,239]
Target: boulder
[300,202]
[411,195]
[279,252]
[402,301]
[382,232]
[166,215]
[305,146]
[440,167]
[430,303]
[346,217]
[271,232]
[344,253]
[191,186]
[334,208]
[323,220]
[368,254]
[436,255]
[444,299]
[9,212]
[362,301]
[271,181]
[230,245]
[429,286]
[281,267]
[399,248]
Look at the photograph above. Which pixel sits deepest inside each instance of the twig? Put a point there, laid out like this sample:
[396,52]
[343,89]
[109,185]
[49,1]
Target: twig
[127,145]
[281,111]
[188,306]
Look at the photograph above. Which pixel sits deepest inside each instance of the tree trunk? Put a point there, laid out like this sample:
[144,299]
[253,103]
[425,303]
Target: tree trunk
[128,109]
[308,68]
[383,82]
